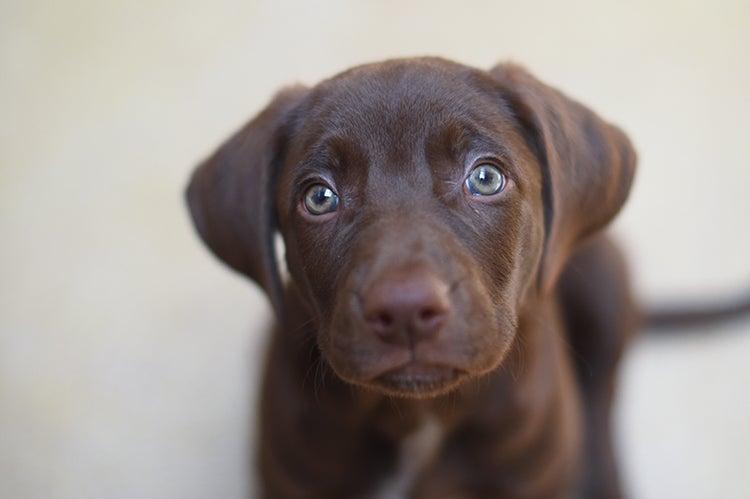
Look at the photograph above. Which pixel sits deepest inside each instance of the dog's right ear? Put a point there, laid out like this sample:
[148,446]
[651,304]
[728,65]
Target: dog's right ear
[230,195]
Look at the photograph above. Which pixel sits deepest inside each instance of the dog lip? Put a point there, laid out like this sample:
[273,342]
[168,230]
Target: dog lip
[417,377]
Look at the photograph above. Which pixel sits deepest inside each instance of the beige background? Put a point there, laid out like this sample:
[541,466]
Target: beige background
[128,356]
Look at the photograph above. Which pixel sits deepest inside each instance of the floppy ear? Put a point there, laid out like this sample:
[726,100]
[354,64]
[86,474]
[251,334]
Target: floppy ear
[230,195]
[587,164]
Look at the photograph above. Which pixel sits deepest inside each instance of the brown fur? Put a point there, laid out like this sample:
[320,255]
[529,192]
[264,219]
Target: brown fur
[520,370]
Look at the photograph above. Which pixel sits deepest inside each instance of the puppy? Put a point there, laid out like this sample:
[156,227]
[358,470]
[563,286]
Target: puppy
[455,317]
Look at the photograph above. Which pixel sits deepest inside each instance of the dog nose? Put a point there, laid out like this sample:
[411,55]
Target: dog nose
[405,307]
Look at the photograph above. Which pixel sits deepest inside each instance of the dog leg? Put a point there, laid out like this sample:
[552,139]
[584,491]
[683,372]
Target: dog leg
[601,317]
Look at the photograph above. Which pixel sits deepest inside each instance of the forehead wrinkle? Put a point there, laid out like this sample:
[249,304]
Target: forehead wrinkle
[495,132]
[449,150]
[392,116]
[379,134]
[483,145]
[332,153]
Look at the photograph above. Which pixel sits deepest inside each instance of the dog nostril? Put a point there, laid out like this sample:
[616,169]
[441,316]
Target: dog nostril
[429,319]
[384,320]
[380,320]
[428,313]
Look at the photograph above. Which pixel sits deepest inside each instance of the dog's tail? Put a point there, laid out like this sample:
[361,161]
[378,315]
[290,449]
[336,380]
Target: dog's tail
[697,315]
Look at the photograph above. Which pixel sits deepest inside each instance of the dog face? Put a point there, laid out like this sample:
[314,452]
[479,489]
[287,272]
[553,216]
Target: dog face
[422,204]
[416,262]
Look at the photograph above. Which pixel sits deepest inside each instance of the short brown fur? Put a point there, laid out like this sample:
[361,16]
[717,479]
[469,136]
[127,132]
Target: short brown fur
[521,371]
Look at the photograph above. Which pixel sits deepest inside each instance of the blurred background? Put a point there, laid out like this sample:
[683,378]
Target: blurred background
[129,356]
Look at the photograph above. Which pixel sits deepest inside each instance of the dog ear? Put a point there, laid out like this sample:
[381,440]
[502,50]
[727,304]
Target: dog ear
[587,164]
[231,195]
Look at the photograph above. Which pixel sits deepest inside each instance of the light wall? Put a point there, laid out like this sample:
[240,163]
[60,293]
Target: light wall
[128,355]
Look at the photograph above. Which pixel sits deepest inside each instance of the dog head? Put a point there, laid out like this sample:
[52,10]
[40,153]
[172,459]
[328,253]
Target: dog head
[422,204]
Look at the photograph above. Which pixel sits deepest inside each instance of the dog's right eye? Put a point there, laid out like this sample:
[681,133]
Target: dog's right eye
[320,199]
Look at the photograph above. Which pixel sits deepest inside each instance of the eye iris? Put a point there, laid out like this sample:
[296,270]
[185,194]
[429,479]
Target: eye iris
[320,199]
[485,180]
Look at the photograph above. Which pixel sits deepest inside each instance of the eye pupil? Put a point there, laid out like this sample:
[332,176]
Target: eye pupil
[320,199]
[485,180]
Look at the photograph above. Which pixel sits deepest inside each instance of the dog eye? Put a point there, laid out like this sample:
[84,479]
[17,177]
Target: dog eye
[485,180]
[320,199]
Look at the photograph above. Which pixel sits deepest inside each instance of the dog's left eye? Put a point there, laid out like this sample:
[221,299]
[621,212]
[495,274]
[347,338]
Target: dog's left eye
[485,180]
[320,199]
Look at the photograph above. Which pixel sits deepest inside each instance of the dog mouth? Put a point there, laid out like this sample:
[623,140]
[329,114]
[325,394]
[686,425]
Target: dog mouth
[419,380]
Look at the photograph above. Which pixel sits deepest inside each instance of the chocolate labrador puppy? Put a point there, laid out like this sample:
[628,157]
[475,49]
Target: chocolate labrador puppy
[454,316]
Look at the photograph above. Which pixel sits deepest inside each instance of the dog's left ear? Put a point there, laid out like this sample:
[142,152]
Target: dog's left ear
[587,164]
[231,195]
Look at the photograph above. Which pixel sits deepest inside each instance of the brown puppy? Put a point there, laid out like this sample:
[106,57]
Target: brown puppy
[452,317]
